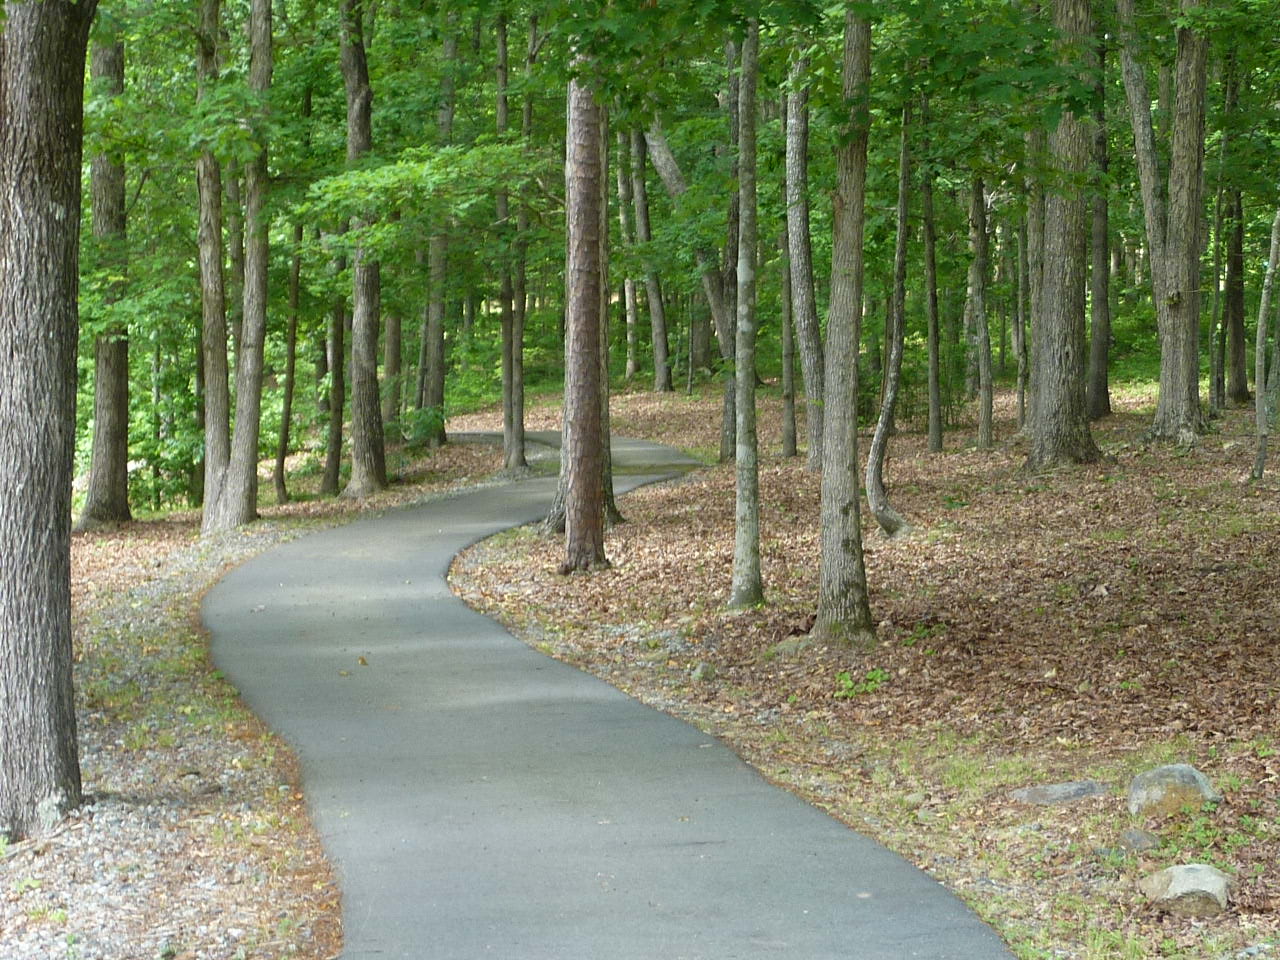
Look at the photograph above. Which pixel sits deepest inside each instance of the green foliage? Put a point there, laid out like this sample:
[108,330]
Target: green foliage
[847,687]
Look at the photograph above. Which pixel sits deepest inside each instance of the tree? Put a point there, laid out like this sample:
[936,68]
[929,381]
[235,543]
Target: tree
[368,456]
[512,436]
[804,308]
[235,501]
[747,588]
[1098,390]
[42,55]
[844,613]
[1172,214]
[583,435]
[107,499]
[652,281]
[1264,399]
[976,309]
[1059,414]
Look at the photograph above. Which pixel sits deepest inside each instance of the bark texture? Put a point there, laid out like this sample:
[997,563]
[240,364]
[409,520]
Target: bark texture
[1098,388]
[747,586]
[1264,399]
[583,453]
[652,280]
[931,299]
[107,499]
[844,614]
[278,477]
[976,311]
[42,55]
[1060,414]
[804,308]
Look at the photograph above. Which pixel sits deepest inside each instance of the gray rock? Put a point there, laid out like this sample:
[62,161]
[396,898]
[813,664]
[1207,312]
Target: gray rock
[1257,950]
[1166,790]
[703,671]
[1191,890]
[1048,795]
[1139,841]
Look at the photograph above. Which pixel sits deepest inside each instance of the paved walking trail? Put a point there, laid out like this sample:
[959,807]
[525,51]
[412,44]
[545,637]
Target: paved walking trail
[482,800]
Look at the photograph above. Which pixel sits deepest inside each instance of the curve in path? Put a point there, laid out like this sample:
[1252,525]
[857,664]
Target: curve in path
[482,800]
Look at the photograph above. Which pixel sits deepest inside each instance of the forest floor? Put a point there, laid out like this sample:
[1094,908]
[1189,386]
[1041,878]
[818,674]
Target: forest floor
[193,841]
[1084,623]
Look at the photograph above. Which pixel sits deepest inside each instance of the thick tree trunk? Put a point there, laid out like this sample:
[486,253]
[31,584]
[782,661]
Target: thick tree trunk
[368,453]
[107,499]
[290,367]
[976,311]
[1173,229]
[42,54]
[583,453]
[1059,411]
[236,501]
[892,522]
[747,587]
[1099,392]
[652,282]
[1233,304]
[804,308]
[1264,399]
[844,614]
[213,305]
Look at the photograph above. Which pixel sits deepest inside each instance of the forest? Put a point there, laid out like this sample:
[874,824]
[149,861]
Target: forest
[1034,243]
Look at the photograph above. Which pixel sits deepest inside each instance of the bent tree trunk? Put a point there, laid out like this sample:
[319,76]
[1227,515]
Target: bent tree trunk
[844,614]
[42,53]
[891,522]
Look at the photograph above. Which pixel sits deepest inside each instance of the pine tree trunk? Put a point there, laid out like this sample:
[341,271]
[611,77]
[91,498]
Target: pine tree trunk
[42,55]
[788,352]
[1233,304]
[290,367]
[513,451]
[747,588]
[844,614]
[931,299]
[804,308]
[107,499]
[236,501]
[976,311]
[652,282]
[891,522]
[628,239]
[583,456]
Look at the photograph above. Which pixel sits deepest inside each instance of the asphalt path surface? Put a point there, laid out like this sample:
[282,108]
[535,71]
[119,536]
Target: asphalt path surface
[482,800]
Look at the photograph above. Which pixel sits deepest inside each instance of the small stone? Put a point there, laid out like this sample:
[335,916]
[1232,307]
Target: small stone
[703,671]
[1191,890]
[1139,841]
[1166,790]
[1048,795]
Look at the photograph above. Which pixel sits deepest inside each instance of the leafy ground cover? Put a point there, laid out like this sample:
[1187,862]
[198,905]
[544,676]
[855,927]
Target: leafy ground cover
[1032,629]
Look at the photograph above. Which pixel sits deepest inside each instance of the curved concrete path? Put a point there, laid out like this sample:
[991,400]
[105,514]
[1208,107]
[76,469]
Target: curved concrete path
[482,800]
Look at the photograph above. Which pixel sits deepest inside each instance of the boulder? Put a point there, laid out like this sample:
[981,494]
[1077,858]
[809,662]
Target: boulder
[1191,890]
[1051,794]
[1138,841]
[1166,790]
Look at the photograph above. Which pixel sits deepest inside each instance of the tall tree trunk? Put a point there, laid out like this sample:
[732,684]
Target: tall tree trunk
[844,614]
[728,272]
[976,310]
[804,307]
[42,54]
[1263,398]
[368,453]
[628,239]
[583,456]
[290,366]
[1173,229]
[236,501]
[931,296]
[747,588]
[1059,412]
[1037,145]
[1020,335]
[213,305]
[1233,312]
[1217,332]
[652,282]
[788,352]
[1099,393]
[234,207]
[513,452]
[514,456]
[891,522]
[107,499]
